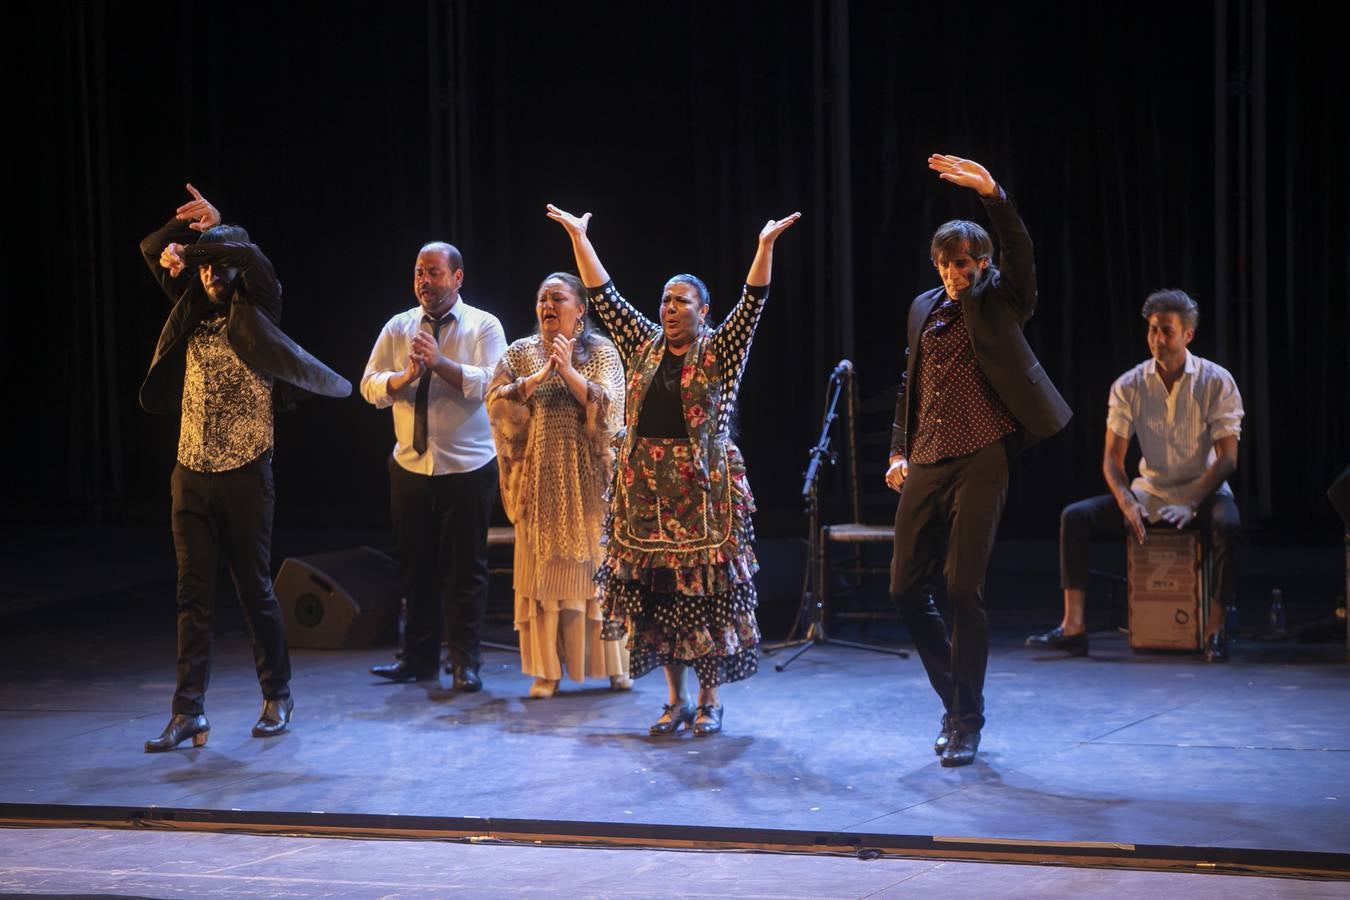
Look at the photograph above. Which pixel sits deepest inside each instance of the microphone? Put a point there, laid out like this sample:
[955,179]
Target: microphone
[844,368]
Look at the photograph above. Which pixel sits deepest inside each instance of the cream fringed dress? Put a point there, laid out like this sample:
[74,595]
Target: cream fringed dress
[554,455]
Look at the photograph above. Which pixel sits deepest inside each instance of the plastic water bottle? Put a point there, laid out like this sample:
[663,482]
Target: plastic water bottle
[1277,620]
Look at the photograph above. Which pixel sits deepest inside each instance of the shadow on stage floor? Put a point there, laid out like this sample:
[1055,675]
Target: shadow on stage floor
[1115,750]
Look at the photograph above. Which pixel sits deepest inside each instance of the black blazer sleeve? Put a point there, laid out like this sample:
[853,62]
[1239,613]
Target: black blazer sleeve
[260,284]
[173,231]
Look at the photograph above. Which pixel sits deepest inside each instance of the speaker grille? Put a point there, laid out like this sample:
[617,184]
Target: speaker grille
[308,610]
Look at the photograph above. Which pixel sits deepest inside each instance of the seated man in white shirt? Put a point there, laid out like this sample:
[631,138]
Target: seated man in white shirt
[1187,413]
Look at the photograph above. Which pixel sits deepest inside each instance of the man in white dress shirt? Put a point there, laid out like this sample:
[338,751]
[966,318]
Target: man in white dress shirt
[432,364]
[1187,414]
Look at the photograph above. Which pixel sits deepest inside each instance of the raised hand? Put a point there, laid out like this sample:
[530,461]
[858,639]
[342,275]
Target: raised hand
[575,225]
[171,258]
[774,227]
[964,173]
[761,268]
[589,267]
[198,211]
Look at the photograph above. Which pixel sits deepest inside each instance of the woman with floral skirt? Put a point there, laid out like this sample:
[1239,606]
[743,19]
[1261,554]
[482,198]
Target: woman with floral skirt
[678,561]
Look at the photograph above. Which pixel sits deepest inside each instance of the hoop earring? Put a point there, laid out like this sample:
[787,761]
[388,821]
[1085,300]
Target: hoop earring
[581,326]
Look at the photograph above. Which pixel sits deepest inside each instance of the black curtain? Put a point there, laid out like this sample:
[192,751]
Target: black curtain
[1196,146]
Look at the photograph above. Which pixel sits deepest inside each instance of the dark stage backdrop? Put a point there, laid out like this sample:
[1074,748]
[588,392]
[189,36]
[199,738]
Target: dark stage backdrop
[1151,144]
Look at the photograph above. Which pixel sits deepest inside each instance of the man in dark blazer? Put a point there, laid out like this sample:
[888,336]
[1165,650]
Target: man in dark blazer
[972,394]
[220,364]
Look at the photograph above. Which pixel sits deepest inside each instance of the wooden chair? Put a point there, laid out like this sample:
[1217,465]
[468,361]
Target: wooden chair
[815,610]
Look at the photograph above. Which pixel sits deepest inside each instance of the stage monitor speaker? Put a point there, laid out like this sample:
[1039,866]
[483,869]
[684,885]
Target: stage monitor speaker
[338,600]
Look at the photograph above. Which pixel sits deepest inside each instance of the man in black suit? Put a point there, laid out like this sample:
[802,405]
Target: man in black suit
[219,359]
[972,393]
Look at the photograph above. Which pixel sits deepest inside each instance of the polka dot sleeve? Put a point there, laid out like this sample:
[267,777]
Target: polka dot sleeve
[627,327]
[731,343]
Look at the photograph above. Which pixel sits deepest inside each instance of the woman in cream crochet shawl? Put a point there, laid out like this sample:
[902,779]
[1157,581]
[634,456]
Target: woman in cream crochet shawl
[555,401]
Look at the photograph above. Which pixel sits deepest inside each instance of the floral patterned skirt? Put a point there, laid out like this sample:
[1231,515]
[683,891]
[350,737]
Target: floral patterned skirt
[679,563]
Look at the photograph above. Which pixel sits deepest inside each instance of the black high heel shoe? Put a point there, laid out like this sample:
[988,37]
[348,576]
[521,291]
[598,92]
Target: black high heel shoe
[709,721]
[674,717]
[179,729]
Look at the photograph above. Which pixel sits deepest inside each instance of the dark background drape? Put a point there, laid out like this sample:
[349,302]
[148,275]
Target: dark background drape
[1202,146]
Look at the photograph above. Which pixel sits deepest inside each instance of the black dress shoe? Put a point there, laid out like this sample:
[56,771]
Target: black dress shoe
[179,729]
[1056,639]
[960,749]
[944,736]
[275,716]
[467,679]
[1216,648]
[401,671]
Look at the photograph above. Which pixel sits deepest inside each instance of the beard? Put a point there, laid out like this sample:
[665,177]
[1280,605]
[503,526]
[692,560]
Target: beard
[220,293]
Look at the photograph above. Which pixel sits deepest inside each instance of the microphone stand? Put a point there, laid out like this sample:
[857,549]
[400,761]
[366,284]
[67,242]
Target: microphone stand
[812,607]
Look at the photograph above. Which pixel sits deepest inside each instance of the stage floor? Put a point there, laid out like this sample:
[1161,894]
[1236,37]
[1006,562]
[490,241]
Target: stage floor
[1117,747]
[156,864]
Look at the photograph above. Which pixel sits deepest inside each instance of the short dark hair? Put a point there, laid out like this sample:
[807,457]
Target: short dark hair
[225,234]
[960,236]
[450,250]
[704,297]
[1171,300]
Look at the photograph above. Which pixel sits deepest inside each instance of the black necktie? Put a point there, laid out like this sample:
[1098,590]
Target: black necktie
[424,393]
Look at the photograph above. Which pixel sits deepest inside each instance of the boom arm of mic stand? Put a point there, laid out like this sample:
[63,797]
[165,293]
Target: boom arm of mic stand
[822,447]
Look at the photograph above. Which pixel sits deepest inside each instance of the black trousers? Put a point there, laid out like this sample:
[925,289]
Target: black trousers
[226,515]
[1099,518]
[441,523]
[945,527]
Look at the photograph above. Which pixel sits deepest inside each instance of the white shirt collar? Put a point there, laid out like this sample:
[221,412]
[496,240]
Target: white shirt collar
[1189,367]
[453,313]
